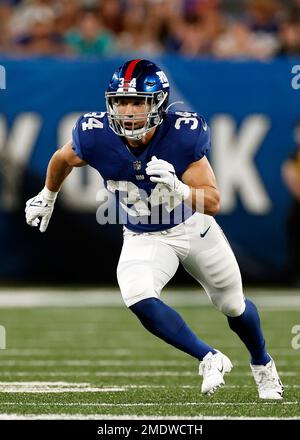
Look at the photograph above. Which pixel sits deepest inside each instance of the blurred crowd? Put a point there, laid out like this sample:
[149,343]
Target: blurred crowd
[220,28]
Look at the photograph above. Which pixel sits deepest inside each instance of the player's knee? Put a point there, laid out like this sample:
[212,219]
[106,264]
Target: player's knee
[230,305]
[136,284]
[234,310]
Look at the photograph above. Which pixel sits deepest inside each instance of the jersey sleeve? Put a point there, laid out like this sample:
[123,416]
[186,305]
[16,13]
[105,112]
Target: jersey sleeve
[84,135]
[76,138]
[203,142]
[188,140]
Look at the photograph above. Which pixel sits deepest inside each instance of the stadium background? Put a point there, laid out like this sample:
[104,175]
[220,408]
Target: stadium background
[253,119]
[229,61]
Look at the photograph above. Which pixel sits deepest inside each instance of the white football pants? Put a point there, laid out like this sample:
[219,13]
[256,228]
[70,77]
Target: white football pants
[149,260]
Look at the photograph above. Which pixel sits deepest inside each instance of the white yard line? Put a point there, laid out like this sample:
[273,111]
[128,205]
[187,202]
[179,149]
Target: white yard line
[21,352]
[45,297]
[18,352]
[124,374]
[128,387]
[88,363]
[147,404]
[63,416]
[116,363]
[86,387]
[55,387]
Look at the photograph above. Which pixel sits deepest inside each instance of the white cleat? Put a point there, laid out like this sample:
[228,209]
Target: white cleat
[212,368]
[267,380]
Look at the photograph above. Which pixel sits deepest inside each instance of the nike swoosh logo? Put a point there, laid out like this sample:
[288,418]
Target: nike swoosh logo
[204,233]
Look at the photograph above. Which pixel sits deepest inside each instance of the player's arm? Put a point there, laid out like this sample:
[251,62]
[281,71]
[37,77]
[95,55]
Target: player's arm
[39,208]
[60,166]
[197,188]
[204,194]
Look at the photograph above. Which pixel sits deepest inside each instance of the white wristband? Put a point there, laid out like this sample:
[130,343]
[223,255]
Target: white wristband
[183,189]
[49,195]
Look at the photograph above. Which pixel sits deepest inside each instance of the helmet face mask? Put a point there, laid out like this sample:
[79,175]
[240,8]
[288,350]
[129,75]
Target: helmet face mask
[146,88]
[137,124]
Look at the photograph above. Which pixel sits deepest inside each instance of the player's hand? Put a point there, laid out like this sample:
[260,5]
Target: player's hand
[39,209]
[162,171]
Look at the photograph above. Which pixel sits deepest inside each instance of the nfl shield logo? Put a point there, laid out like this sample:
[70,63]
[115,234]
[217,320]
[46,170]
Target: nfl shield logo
[137,165]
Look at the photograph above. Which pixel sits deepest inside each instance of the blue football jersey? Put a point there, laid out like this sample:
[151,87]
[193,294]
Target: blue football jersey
[182,138]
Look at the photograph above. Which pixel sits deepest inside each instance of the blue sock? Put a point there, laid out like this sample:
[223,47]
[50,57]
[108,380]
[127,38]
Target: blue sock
[168,325]
[247,327]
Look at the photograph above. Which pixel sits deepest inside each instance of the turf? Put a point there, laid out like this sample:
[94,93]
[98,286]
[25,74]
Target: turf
[100,347]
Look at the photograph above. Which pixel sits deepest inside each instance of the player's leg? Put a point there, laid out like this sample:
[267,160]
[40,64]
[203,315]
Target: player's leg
[145,266]
[212,263]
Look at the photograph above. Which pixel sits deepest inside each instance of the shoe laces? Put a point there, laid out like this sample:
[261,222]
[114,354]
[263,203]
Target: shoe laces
[266,380]
[208,366]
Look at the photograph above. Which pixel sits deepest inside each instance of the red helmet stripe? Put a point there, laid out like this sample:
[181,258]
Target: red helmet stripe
[129,72]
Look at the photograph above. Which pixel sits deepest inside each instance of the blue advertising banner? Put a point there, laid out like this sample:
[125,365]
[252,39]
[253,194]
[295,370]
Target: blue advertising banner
[252,108]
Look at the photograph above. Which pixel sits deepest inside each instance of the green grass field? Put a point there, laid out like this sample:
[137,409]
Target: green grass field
[98,361]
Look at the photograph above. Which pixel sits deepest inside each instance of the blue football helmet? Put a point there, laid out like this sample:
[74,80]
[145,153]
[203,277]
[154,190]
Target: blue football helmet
[145,81]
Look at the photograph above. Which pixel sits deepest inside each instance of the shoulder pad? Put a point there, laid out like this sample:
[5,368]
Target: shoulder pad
[84,132]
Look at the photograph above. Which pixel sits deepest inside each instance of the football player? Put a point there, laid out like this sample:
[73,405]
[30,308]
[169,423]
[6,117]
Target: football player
[154,160]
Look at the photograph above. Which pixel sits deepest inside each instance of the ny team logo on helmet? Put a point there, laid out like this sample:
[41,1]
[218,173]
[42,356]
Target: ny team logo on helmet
[140,79]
